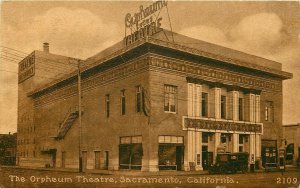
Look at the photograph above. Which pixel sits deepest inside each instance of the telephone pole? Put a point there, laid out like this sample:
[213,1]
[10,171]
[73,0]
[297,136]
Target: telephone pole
[79,116]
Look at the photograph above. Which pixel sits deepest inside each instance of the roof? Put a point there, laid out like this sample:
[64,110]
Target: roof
[186,44]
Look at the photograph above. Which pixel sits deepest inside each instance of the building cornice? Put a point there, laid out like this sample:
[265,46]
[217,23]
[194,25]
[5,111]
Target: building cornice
[197,52]
[92,63]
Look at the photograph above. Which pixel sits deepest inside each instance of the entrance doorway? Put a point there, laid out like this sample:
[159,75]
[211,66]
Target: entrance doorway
[63,158]
[53,158]
[269,153]
[179,157]
[106,160]
[97,159]
[207,158]
[84,160]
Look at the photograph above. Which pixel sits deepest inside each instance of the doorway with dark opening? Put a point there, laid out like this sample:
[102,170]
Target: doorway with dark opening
[170,153]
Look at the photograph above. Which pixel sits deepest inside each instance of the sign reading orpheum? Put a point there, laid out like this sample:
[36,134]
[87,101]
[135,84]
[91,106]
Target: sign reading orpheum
[145,22]
[227,126]
[26,68]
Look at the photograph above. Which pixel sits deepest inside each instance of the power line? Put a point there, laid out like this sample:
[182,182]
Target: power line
[14,50]
[17,55]
[3,55]
[38,57]
[43,69]
[49,66]
[8,59]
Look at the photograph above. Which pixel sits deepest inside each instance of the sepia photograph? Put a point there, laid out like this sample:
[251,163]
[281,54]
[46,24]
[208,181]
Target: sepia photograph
[153,93]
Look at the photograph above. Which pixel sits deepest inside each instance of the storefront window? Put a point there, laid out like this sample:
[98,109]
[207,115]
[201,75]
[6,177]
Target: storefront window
[170,152]
[130,152]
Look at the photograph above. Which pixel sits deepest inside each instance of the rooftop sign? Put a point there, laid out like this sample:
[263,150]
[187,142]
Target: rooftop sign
[145,22]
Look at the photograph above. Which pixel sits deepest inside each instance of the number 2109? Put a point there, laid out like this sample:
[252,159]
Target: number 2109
[286,180]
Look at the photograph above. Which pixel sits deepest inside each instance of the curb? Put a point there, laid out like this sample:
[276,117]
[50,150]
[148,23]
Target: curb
[138,173]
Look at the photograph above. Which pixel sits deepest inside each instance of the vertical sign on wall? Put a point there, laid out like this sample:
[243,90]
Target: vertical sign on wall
[26,68]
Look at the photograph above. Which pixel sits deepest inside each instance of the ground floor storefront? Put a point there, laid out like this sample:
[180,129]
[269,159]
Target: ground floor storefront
[195,152]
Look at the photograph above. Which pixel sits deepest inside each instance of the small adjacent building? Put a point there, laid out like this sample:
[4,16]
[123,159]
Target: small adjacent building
[291,135]
[8,148]
[162,102]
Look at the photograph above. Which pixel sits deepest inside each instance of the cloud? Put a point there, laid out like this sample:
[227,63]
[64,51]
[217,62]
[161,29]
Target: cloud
[255,34]
[262,35]
[72,32]
[206,33]
[78,33]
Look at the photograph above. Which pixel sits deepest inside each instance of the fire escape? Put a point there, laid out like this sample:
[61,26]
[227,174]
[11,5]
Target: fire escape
[71,116]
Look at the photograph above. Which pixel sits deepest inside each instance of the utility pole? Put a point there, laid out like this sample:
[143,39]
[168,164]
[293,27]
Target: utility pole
[79,116]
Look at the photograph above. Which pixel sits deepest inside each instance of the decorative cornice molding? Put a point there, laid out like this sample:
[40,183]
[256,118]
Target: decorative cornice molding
[212,76]
[279,73]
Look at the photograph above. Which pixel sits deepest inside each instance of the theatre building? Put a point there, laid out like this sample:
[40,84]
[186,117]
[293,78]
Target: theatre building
[162,102]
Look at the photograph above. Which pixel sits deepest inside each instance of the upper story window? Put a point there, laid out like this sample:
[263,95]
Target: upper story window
[170,98]
[138,99]
[223,107]
[269,110]
[205,136]
[241,109]
[123,102]
[107,103]
[241,139]
[204,107]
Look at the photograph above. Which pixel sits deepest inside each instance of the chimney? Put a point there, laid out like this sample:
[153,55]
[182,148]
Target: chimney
[46,47]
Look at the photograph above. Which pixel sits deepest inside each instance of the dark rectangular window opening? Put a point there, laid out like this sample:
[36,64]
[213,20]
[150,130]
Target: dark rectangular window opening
[138,99]
[205,137]
[223,107]
[204,110]
[123,105]
[107,105]
[269,110]
[241,109]
[240,148]
[241,139]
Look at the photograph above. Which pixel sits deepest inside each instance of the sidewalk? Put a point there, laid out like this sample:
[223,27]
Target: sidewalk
[134,172]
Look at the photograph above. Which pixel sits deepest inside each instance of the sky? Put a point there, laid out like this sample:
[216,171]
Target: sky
[83,28]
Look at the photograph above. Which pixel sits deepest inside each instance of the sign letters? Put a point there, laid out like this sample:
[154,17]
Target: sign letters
[26,68]
[144,23]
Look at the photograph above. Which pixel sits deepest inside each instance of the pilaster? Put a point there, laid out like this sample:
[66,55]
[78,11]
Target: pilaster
[235,142]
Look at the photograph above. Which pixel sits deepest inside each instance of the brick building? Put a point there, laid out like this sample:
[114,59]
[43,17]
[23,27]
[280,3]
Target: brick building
[8,148]
[155,104]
